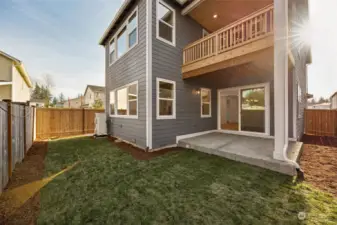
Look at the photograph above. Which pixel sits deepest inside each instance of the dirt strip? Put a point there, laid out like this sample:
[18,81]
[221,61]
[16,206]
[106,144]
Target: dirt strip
[140,154]
[30,170]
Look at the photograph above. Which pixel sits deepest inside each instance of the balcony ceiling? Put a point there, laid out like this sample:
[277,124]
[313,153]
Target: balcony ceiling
[227,11]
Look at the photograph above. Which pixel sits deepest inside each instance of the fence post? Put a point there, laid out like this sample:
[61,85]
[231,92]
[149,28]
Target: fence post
[33,121]
[83,121]
[9,136]
[25,129]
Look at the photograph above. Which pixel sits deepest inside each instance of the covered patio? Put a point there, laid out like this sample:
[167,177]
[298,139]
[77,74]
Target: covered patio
[257,151]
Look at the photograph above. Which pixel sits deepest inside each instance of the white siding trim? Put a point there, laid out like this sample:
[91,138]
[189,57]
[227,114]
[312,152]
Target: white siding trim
[174,27]
[173,116]
[148,114]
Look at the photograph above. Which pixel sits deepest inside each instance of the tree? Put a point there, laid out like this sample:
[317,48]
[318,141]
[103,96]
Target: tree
[98,104]
[62,98]
[36,93]
[54,102]
[322,100]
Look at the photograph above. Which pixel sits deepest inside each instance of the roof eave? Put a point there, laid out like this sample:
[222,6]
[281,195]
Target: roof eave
[113,22]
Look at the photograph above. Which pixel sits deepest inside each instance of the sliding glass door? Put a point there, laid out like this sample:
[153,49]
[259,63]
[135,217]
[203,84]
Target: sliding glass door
[253,109]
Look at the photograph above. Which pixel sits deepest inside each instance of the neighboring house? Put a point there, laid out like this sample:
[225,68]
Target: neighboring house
[15,83]
[93,93]
[325,105]
[39,103]
[180,67]
[75,103]
[333,100]
[59,105]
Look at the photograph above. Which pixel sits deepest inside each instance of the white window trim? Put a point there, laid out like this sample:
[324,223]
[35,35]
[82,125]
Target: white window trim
[124,25]
[173,43]
[205,33]
[112,39]
[173,116]
[127,105]
[210,103]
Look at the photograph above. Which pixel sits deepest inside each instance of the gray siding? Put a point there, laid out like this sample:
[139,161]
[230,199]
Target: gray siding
[167,62]
[130,67]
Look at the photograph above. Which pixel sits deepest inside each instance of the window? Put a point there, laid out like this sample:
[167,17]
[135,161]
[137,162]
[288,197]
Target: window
[121,43]
[165,23]
[204,33]
[205,102]
[166,99]
[299,100]
[112,51]
[132,30]
[125,39]
[132,99]
[124,101]
[112,103]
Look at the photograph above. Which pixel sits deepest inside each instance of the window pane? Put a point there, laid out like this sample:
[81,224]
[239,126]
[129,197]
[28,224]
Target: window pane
[253,99]
[165,14]
[133,108]
[122,101]
[133,92]
[112,51]
[165,90]
[165,107]
[205,109]
[132,38]
[121,43]
[132,22]
[165,31]
[112,103]
[205,95]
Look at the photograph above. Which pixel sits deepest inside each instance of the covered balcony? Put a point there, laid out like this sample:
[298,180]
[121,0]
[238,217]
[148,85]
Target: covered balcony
[249,39]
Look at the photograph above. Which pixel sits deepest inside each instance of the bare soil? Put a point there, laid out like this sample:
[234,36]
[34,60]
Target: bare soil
[30,170]
[319,162]
[140,154]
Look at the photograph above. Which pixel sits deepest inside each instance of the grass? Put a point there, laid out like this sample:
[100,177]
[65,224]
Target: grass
[108,186]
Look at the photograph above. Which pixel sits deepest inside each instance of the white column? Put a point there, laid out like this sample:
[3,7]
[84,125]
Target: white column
[280,77]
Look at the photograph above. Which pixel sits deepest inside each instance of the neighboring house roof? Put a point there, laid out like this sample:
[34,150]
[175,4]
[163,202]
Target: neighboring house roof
[20,67]
[95,88]
[333,95]
[118,15]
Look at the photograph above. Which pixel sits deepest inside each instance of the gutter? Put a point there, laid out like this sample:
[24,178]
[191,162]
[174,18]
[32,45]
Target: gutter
[19,66]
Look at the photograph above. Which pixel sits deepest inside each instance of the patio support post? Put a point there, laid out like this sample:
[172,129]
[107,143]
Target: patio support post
[280,78]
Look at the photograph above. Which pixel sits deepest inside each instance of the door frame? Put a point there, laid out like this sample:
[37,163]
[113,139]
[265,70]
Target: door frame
[238,89]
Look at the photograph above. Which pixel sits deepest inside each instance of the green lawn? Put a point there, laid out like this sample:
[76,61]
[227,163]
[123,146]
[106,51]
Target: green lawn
[187,187]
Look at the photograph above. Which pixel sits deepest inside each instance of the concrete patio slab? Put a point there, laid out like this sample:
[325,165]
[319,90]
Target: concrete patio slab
[251,150]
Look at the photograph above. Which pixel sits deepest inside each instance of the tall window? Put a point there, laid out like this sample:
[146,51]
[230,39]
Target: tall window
[125,39]
[205,102]
[112,103]
[121,43]
[299,100]
[112,51]
[165,23]
[166,99]
[132,99]
[132,30]
[124,101]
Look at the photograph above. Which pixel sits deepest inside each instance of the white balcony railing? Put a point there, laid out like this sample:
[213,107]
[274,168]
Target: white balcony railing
[241,32]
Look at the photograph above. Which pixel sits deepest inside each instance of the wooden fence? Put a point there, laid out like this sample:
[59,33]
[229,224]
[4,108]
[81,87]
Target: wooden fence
[16,136]
[53,123]
[320,122]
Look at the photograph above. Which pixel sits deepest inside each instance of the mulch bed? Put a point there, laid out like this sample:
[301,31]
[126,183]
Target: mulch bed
[140,154]
[319,162]
[30,170]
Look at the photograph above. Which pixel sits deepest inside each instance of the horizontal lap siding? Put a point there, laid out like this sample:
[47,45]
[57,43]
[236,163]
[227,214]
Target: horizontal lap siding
[129,68]
[167,62]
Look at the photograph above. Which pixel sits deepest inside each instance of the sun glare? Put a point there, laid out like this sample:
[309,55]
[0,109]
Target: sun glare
[301,34]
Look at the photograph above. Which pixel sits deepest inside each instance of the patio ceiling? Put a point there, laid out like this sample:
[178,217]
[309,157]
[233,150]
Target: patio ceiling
[225,11]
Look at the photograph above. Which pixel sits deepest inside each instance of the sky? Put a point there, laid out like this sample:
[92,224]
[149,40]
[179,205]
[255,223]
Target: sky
[60,38]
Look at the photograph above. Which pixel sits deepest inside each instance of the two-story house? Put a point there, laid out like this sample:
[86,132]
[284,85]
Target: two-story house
[176,69]
[15,83]
[92,94]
